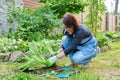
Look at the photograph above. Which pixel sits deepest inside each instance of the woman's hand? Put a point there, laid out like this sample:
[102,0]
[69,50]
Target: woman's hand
[49,62]
[60,55]
[60,50]
[64,37]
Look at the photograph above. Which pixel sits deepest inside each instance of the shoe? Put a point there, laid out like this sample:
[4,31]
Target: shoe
[68,64]
[85,65]
[72,64]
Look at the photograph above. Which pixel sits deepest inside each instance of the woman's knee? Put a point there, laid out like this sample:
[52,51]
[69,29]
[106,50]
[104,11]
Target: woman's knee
[77,61]
[66,41]
[81,61]
[78,57]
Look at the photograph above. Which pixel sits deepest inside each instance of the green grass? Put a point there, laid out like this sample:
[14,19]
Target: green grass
[105,66]
[23,76]
[84,76]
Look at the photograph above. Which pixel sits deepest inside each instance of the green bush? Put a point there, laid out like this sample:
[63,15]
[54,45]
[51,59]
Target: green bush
[103,40]
[13,45]
[118,26]
[1,34]
[31,23]
[60,7]
[112,35]
[36,55]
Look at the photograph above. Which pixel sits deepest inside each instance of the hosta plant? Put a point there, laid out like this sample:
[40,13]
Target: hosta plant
[7,44]
[103,40]
[36,56]
[112,35]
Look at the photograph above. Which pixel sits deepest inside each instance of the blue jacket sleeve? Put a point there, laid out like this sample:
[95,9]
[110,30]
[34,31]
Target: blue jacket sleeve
[75,42]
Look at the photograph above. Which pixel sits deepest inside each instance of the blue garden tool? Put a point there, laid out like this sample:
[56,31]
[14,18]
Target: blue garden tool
[67,75]
[57,71]
[58,75]
[51,72]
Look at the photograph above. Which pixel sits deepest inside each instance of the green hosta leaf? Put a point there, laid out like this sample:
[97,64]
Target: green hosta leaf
[37,52]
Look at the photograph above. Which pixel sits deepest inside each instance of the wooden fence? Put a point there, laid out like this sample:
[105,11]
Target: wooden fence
[31,4]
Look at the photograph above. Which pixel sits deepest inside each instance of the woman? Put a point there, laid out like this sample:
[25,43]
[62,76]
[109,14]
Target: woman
[78,42]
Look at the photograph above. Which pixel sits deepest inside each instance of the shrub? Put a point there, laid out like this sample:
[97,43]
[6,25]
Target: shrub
[111,35]
[60,7]
[36,55]
[103,40]
[31,23]
[13,45]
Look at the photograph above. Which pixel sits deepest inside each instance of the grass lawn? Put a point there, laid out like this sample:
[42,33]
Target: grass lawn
[105,66]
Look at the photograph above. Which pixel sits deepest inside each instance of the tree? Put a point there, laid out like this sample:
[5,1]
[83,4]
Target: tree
[60,7]
[94,20]
[116,6]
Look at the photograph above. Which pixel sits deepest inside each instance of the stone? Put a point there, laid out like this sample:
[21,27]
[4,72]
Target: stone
[15,55]
[5,56]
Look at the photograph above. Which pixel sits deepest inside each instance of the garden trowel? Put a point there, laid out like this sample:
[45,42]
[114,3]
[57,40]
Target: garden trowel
[67,75]
[57,71]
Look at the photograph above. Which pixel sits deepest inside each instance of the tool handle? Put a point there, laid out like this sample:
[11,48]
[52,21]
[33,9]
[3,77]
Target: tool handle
[77,71]
[58,70]
[64,69]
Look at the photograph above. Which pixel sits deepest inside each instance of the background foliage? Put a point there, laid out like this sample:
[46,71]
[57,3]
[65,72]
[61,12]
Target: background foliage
[60,7]
[13,45]
[32,25]
[96,10]
[36,54]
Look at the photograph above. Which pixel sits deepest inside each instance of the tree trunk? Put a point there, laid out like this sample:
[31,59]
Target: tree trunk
[116,6]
